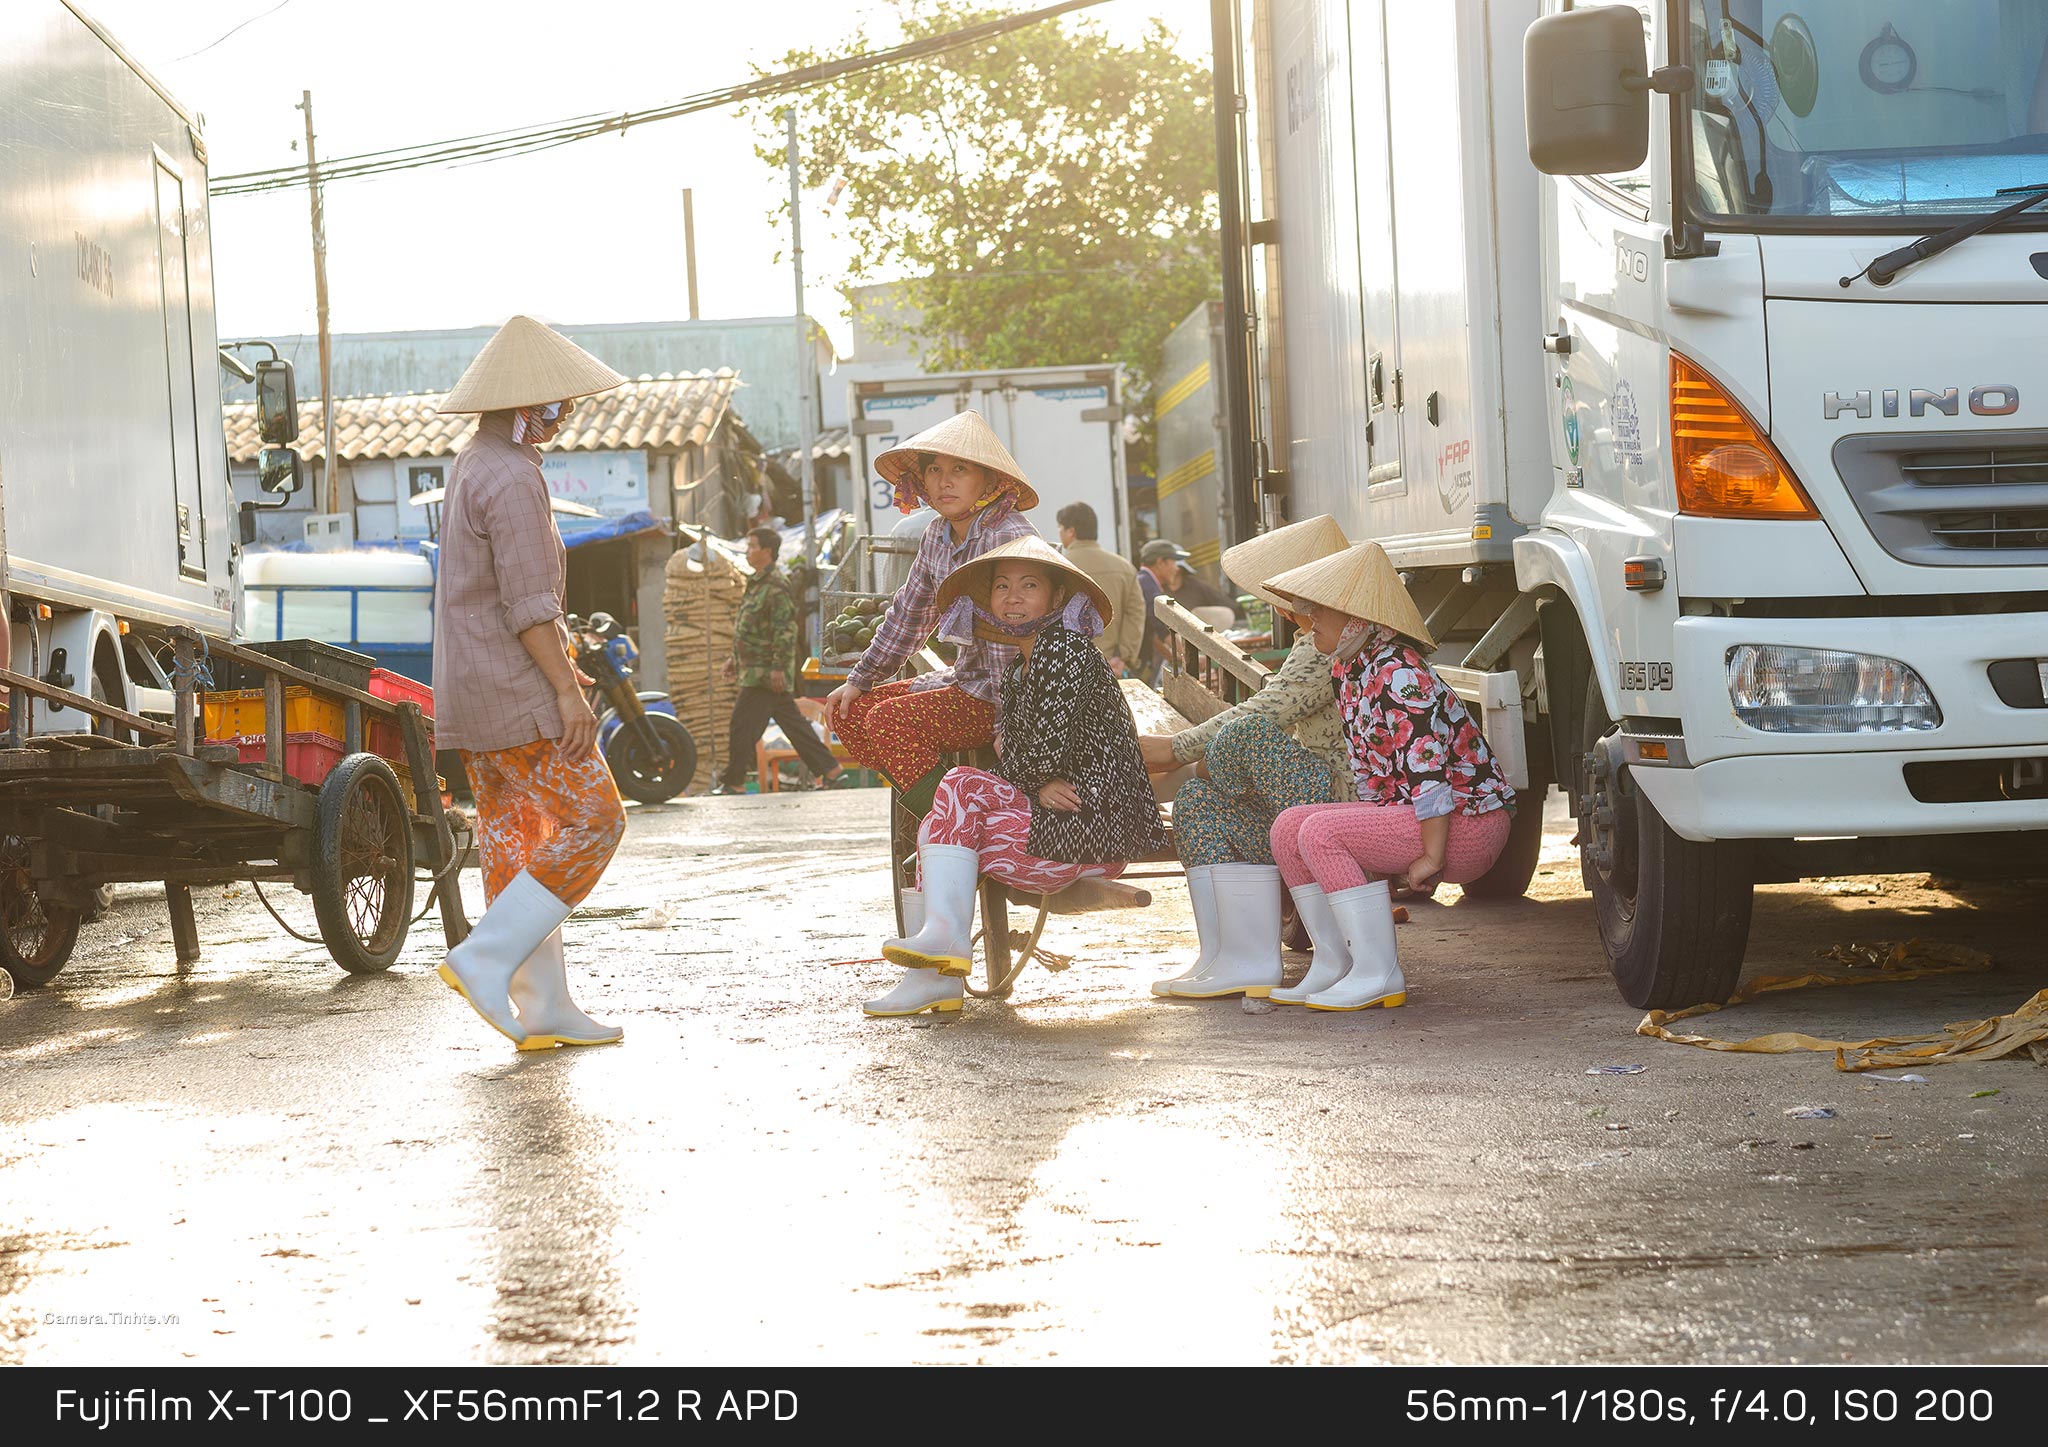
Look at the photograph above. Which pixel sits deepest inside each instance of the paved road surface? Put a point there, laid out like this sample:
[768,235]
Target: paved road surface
[299,1166]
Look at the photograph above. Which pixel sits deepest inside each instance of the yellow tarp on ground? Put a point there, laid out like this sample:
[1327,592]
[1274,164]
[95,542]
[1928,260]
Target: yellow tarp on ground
[2024,1030]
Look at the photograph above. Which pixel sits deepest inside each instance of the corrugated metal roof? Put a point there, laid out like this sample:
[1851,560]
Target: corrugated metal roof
[649,413]
[828,444]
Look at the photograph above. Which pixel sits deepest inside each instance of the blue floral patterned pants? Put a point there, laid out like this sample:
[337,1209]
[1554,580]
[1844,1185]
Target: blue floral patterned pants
[1255,770]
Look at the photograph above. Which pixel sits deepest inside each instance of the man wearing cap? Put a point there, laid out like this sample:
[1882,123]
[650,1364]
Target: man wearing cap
[508,694]
[902,729]
[1160,571]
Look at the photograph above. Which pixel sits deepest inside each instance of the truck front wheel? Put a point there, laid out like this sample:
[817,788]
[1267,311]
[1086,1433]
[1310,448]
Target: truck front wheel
[1673,914]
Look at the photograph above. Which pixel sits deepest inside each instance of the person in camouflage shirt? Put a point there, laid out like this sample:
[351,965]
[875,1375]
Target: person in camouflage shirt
[764,654]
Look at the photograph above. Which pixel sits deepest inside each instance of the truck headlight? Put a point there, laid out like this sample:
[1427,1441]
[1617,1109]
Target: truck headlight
[1783,690]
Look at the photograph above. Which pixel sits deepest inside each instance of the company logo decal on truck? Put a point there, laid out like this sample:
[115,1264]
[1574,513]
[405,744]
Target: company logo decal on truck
[1920,399]
[1453,475]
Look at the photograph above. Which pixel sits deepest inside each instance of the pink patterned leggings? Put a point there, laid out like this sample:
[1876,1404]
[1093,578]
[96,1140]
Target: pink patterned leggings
[1338,845]
[977,810]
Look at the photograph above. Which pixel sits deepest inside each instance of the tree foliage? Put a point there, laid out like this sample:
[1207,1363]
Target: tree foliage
[1045,198]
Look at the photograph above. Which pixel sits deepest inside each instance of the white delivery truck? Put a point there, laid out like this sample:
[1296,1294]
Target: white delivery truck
[1064,425]
[114,492]
[1653,344]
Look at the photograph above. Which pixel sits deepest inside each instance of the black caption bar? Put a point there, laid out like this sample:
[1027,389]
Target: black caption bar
[373,1403]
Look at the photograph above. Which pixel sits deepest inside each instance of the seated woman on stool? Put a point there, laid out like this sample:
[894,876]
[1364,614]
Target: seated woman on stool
[1069,796]
[1282,746]
[901,729]
[1432,803]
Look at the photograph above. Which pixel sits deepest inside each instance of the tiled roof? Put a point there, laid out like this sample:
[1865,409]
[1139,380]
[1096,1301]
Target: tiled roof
[655,413]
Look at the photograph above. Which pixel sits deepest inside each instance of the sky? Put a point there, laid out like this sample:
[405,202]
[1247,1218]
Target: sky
[586,233]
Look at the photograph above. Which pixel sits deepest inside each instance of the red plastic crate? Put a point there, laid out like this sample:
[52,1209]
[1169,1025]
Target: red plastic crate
[308,757]
[385,738]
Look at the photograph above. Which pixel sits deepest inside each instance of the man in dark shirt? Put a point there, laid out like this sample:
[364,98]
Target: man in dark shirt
[764,647]
[1160,571]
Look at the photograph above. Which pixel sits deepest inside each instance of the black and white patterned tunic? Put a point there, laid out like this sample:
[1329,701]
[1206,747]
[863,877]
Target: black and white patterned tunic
[1063,716]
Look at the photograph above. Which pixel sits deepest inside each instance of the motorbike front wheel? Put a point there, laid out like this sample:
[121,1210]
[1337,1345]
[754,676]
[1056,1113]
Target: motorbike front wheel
[653,775]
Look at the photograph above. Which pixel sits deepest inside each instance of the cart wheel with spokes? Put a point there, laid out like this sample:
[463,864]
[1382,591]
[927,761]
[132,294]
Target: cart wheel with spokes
[36,935]
[362,865]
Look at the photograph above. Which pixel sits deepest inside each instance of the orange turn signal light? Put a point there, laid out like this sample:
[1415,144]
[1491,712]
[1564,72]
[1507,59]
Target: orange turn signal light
[1726,467]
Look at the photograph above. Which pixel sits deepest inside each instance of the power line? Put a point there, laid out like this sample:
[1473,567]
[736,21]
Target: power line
[502,145]
[250,21]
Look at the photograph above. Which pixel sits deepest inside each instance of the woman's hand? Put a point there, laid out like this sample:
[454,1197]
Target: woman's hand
[1422,874]
[839,703]
[1061,796]
[579,724]
[1157,751]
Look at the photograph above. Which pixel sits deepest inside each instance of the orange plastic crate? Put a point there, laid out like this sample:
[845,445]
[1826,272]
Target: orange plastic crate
[240,714]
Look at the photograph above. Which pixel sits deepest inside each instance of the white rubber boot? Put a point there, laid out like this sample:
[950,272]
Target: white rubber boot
[1332,957]
[1366,915]
[540,993]
[1247,958]
[918,990]
[480,969]
[945,942]
[1202,895]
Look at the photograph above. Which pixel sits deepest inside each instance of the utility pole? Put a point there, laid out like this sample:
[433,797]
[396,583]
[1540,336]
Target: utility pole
[690,249]
[320,299]
[806,372]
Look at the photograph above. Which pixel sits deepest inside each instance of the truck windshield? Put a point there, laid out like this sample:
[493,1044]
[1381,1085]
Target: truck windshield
[1864,109]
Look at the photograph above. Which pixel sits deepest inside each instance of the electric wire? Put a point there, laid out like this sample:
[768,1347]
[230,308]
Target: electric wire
[528,140]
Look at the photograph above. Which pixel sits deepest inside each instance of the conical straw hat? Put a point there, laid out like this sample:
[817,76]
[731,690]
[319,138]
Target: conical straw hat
[1268,555]
[976,575]
[528,365]
[1360,581]
[964,434]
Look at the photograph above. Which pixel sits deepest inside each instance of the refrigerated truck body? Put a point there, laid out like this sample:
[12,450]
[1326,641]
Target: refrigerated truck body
[1744,546]
[1064,425]
[114,490]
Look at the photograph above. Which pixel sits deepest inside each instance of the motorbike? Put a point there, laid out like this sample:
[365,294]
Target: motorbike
[648,749]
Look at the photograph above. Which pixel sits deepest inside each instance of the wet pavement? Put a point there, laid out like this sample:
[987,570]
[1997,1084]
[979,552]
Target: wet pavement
[283,1164]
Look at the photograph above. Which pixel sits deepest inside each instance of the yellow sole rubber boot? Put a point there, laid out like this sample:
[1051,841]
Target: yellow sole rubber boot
[913,960]
[454,982]
[549,1042]
[1385,1002]
[937,1007]
[1250,992]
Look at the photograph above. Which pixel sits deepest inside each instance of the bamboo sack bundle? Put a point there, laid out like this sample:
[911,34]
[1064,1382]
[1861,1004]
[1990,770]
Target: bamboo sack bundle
[700,601]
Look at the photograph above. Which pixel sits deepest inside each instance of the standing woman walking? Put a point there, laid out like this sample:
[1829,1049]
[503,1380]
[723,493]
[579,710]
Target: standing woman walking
[508,694]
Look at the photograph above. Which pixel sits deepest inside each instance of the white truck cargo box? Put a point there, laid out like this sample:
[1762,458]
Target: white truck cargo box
[1064,425]
[113,462]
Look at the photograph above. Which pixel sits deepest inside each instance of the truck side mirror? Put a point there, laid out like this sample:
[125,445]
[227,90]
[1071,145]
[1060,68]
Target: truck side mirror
[277,406]
[1585,95]
[277,470]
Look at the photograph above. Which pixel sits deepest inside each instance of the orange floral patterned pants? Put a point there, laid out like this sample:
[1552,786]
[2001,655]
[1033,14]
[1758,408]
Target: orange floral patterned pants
[558,819]
[902,732]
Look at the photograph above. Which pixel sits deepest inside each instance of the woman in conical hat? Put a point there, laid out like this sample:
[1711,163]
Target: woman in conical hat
[961,469]
[1431,803]
[508,694]
[1068,797]
[1281,747]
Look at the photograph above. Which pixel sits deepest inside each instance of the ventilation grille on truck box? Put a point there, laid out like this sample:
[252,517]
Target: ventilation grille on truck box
[1972,499]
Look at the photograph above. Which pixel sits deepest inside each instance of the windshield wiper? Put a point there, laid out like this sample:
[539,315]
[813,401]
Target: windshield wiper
[1882,270]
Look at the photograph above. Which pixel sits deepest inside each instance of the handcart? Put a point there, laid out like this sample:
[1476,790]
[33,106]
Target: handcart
[139,800]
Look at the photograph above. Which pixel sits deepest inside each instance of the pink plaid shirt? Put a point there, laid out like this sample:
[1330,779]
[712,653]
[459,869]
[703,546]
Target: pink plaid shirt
[502,570]
[914,611]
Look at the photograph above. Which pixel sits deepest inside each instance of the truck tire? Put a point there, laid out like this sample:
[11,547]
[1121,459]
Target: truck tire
[1509,878]
[1673,914]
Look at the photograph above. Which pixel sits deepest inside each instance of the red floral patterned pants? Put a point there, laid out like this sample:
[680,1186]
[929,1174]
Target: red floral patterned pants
[557,819]
[903,733]
[976,810]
